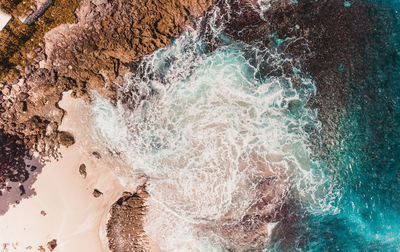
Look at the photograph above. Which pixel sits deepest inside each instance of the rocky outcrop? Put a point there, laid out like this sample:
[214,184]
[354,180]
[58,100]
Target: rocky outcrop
[77,45]
[100,43]
[82,170]
[110,36]
[125,226]
[66,138]
[96,193]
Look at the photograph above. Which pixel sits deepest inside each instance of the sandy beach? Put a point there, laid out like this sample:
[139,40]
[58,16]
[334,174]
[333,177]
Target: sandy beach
[64,207]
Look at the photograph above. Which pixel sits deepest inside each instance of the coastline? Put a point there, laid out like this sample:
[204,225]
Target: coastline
[73,216]
[305,161]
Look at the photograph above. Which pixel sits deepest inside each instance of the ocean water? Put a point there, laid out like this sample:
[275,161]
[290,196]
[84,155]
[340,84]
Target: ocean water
[228,152]
[366,159]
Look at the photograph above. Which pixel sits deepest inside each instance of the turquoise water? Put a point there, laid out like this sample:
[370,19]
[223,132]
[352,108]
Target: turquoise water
[205,139]
[366,162]
[202,126]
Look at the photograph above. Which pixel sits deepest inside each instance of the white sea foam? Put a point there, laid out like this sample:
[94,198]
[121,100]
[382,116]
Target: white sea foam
[204,131]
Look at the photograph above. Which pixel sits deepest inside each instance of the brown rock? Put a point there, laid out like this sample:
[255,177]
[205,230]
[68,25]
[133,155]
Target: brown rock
[97,193]
[96,154]
[6,90]
[66,138]
[43,213]
[125,226]
[52,244]
[82,170]
[21,106]
[23,96]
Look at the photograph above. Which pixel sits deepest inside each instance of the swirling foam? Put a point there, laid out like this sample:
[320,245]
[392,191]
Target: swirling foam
[200,125]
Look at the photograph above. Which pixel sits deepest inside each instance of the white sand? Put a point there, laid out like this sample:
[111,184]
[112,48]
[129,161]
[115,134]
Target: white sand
[4,18]
[75,218]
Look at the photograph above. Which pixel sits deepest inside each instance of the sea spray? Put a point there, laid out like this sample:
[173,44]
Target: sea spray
[223,146]
[222,133]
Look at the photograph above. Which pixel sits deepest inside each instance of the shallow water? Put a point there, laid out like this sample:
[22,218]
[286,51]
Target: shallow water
[227,150]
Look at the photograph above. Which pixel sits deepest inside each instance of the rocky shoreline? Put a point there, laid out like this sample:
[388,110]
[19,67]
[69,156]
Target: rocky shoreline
[125,227]
[89,45]
[91,51]
[71,45]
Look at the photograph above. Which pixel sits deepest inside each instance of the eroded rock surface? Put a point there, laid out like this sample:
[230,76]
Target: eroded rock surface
[125,226]
[77,45]
[92,52]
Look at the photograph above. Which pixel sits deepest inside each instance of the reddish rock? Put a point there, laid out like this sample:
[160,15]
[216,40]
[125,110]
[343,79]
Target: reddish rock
[125,226]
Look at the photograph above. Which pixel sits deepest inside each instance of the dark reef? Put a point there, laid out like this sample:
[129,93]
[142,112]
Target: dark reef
[341,47]
[351,51]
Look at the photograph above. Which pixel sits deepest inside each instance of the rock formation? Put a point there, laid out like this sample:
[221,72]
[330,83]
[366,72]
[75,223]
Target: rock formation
[77,45]
[89,45]
[125,226]
[90,48]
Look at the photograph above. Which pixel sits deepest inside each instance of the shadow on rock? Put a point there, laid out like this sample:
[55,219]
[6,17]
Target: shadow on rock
[18,171]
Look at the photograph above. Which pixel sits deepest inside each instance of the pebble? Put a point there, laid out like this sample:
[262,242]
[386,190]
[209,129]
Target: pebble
[97,193]
[82,170]
[96,154]
[52,244]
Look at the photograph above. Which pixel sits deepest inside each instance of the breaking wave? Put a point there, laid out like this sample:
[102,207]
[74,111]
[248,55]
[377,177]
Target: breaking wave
[224,147]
